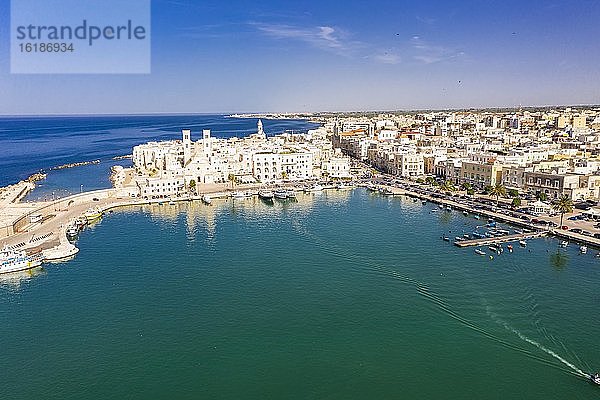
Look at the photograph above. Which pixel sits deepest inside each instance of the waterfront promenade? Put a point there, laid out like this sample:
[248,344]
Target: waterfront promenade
[49,235]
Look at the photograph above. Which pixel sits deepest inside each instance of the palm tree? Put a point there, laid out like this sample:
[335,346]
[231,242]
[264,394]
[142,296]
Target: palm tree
[541,196]
[430,180]
[447,186]
[563,205]
[516,202]
[466,186]
[497,190]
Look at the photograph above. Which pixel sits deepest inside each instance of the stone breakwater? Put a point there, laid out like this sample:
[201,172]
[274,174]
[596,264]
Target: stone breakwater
[73,165]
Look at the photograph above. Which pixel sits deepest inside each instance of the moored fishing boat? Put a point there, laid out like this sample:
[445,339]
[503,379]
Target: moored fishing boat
[206,199]
[280,194]
[93,214]
[265,194]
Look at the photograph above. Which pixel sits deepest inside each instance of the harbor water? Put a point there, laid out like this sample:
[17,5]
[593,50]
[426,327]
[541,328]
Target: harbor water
[338,295]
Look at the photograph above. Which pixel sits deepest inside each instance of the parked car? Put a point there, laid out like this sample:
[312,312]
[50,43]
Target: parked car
[564,228]
[597,235]
[577,230]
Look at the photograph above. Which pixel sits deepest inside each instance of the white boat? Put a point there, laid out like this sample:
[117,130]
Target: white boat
[265,194]
[291,194]
[314,188]
[72,231]
[241,195]
[14,260]
[344,186]
[480,252]
[92,214]
[564,243]
[206,199]
[583,249]
[522,243]
[280,194]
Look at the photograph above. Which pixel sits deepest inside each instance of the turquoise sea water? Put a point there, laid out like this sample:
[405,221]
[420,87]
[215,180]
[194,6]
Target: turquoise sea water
[341,295]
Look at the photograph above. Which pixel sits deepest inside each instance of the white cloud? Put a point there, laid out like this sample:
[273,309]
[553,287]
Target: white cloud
[387,58]
[323,37]
[429,54]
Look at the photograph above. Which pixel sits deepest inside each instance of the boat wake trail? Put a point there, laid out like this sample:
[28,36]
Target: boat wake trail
[573,369]
[425,292]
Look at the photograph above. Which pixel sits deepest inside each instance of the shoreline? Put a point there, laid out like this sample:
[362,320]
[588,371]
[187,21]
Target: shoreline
[57,247]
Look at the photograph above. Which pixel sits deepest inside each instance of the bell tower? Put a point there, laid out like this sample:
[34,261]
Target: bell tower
[187,146]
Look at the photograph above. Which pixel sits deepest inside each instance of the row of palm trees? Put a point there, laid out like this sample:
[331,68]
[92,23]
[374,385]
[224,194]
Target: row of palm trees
[562,205]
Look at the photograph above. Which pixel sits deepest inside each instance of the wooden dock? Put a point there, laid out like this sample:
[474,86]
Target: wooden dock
[488,241]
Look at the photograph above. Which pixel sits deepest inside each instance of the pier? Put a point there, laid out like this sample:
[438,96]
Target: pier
[488,241]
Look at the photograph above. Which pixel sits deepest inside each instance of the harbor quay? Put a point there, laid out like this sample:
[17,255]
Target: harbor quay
[49,235]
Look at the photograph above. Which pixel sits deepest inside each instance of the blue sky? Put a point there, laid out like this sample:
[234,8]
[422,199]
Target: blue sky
[260,56]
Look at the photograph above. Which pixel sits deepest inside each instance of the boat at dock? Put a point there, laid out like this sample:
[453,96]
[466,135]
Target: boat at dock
[206,199]
[522,243]
[92,214]
[241,195]
[265,194]
[583,249]
[280,194]
[12,260]
[72,231]
[313,189]
[291,194]
[564,243]
[480,252]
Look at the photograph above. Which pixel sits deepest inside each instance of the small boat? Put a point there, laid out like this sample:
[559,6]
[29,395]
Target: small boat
[72,231]
[424,202]
[314,188]
[522,243]
[441,206]
[206,199]
[509,247]
[291,194]
[448,208]
[595,378]
[466,236]
[459,238]
[280,194]
[564,243]
[446,238]
[265,194]
[92,214]
[477,217]
[494,249]
[583,249]
[241,195]
[480,252]
[386,191]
